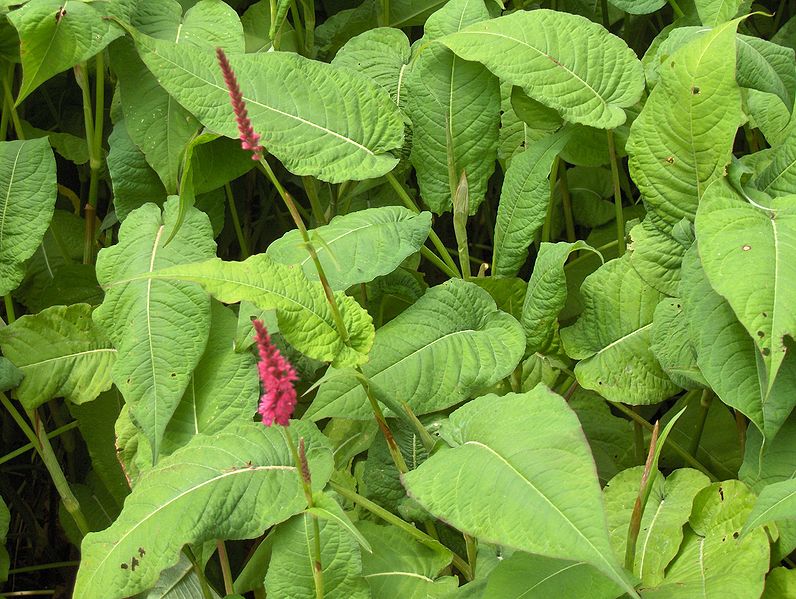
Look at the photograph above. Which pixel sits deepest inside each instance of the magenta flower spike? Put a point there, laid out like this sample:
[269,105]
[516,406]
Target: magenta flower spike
[249,140]
[277,376]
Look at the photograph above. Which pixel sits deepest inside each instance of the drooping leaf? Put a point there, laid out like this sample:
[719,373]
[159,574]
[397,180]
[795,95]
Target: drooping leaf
[357,247]
[524,199]
[402,568]
[508,293]
[639,7]
[727,356]
[546,295]
[159,328]
[515,133]
[715,12]
[558,516]
[549,54]
[713,561]
[52,44]
[749,257]
[453,335]
[767,67]
[27,201]
[589,188]
[779,177]
[61,353]
[780,584]
[383,55]
[656,253]
[684,135]
[290,570]
[612,337]
[665,513]
[776,502]
[303,313]
[179,582]
[672,346]
[454,106]
[245,475]
[525,576]
[287,97]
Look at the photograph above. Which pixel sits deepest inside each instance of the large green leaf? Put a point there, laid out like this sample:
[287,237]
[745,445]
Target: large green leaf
[780,584]
[779,177]
[672,345]
[612,337]
[767,67]
[305,318]
[552,501]
[450,343]
[288,98]
[357,247]
[401,568]
[727,357]
[524,199]
[639,7]
[684,135]
[51,44]
[159,328]
[715,12]
[61,353]
[665,513]
[562,60]
[749,255]
[27,201]
[290,570]
[546,295]
[454,106]
[713,561]
[383,55]
[231,485]
[525,576]
[776,502]
[656,253]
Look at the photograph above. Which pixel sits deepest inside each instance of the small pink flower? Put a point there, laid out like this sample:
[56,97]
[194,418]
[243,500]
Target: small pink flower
[249,139]
[277,376]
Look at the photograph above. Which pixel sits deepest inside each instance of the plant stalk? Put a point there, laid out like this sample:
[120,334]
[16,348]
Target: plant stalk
[9,304]
[678,12]
[233,209]
[461,212]
[392,446]
[566,202]
[704,407]
[226,572]
[9,101]
[620,218]
[548,221]
[28,446]
[638,508]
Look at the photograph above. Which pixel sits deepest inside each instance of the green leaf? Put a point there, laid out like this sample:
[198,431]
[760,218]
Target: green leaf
[134,182]
[780,584]
[290,571]
[454,106]
[671,344]
[55,274]
[454,335]
[178,582]
[27,201]
[357,247]
[684,135]
[232,485]
[401,568]
[656,253]
[287,97]
[508,293]
[726,354]
[549,54]
[524,199]
[779,177]
[776,502]
[305,318]
[61,353]
[323,506]
[159,328]
[10,375]
[716,12]
[612,337]
[712,561]
[639,7]
[557,516]
[383,55]
[546,295]
[282,7]
[53,44]
[525,576]
[665,513]
[767,67]
[749,256]
[516,134]
[589,187]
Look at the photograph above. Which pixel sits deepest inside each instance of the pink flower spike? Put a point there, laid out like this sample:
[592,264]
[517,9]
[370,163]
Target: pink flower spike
[277,376]
[249,139]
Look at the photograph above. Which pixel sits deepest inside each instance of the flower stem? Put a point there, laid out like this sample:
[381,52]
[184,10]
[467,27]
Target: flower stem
[620,219]
[392,446]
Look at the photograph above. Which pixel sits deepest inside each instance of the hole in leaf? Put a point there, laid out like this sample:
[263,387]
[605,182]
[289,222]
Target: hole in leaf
[670,160]
[124,566]
[721,493]
[765,314]
[695,90]
[761,334]
[735,535]
[746,247]
[765,351]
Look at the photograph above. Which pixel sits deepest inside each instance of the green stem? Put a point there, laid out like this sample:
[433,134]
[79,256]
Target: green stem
[422,432]
[704,407]
[620,219]
[604,14]
[640,503]
[391,518]
[409,203]
[299,28]
[81,76]
[471,547]
[437,261]
[233,209]
[678,12]
[40,567]
[638,437]
[308,7]
[548,221]
[687,457]
[311,189]
[226,572]
[392,446]
[461,212]
[28,446]
[9,303]
[9,100]
[383,13]
[566,202]
[197,567]
[778,16]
